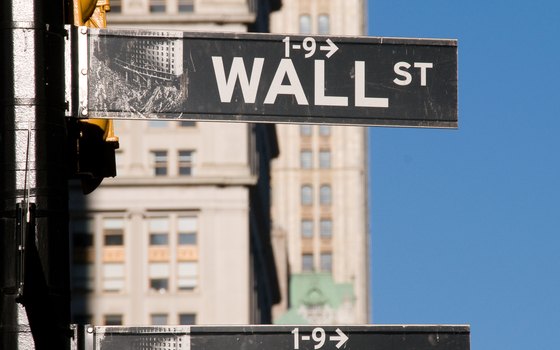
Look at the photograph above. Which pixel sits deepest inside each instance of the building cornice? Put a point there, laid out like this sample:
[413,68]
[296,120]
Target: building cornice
[218,181]
[189,18]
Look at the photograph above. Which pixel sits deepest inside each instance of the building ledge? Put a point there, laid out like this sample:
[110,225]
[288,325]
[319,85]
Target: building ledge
[184,18]
[175,181]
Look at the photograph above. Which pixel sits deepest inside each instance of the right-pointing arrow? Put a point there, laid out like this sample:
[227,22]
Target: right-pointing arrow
[330,47]
[341,338]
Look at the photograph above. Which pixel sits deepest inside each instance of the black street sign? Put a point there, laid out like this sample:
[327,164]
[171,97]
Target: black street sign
[399,337]
[139,74]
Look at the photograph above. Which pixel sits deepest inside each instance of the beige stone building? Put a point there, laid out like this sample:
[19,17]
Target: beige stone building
[163,241]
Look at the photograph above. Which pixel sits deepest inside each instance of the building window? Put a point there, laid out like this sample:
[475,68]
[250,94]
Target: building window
[157,6]
[306,159]
[188,238]
[324,130]
[159,231]
[306,195]
[187,230]
[187,265]
[326,262]
[185,5]
[159,159]
[187,124]
[324,24]
[307,262]
[113,277]
[156,124]
[114,240]
[325,195]
[187,319]
[113,320]
[82,233]
[159,276]
[185,162]
[324,159]
[307,228]
[325,228]
[158,319]
[305,24]
[83,277]
[159,239]
[305,130]
[113,232]
[160,285]
[83,267]
[116,6]
[187,272]
[113,270]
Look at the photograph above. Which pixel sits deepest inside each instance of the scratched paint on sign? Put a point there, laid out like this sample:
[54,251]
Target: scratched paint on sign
[142,75]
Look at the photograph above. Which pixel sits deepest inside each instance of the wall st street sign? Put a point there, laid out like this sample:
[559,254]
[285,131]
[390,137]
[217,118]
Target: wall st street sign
[139,74]
[279,337]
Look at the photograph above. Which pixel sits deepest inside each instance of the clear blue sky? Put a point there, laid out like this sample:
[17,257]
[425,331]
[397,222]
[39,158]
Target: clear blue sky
[466,223]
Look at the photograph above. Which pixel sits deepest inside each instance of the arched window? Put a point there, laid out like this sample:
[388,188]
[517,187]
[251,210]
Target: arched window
[306,228]
[306,159]
[325,228]
[305,130]
[325,194]
[324,159]
[326,262]
[305,24]
[306,195]
[324,24]
[307,263]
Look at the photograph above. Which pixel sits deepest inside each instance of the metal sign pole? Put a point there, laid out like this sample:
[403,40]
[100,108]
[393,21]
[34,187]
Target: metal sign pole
[34,264]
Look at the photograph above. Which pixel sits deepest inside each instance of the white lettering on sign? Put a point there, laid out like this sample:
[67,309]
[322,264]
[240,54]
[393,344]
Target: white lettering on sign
[237,71]
[286,68]
[401,69]
[309,44]
[423,66]
[286,81]
[319,337]
[330,47]
[360,86]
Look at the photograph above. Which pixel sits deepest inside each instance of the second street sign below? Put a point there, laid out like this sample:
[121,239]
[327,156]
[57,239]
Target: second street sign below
[379,337]
[268,78]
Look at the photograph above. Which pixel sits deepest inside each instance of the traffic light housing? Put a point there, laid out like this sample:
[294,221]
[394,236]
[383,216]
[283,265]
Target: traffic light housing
[92,141]
[90,13]
[92,151]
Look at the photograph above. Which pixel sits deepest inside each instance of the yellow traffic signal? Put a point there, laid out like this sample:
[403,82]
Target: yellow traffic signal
[90,13]
[94,141]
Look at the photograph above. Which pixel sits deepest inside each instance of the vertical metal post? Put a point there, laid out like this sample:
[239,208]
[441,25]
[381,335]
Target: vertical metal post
[34,249]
